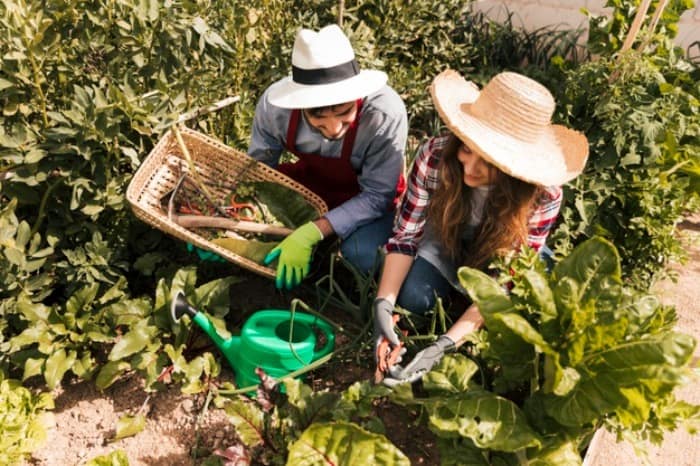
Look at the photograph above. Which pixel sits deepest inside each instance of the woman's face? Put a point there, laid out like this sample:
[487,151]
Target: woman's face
[477,171]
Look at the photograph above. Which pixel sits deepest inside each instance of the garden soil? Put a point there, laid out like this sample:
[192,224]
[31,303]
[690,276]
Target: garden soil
[180,430]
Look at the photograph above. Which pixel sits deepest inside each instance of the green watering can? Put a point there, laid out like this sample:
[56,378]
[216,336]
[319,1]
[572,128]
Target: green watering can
[264,341]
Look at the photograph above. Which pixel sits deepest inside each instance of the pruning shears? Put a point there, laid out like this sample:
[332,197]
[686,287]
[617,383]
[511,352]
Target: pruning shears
[241,210]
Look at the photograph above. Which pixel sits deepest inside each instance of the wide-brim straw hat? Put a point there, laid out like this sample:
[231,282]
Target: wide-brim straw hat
[324,72]
[509,124]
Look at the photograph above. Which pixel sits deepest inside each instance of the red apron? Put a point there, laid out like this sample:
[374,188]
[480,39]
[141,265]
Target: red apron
[333,179]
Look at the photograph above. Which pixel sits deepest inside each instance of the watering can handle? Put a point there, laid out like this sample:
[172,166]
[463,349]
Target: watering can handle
[330,338]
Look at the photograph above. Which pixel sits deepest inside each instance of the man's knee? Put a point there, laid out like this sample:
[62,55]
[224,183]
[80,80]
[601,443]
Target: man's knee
[363,257]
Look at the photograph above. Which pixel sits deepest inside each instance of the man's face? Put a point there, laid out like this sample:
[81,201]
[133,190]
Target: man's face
[333,121]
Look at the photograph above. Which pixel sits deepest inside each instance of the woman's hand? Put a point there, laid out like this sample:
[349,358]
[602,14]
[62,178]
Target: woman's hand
[383,319]
[422,362]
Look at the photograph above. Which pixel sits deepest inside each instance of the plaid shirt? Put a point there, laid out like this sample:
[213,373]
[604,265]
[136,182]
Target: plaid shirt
[422,182]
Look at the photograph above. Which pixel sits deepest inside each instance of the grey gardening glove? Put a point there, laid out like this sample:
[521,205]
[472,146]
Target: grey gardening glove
[383,315]
[422,362]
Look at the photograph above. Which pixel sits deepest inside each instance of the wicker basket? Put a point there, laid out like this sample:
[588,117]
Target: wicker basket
[216,163]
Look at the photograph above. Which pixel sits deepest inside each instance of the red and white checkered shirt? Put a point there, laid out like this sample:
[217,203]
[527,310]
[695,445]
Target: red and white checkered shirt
[422,182]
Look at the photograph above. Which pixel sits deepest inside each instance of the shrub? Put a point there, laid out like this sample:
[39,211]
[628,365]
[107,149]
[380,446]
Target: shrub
[640,114]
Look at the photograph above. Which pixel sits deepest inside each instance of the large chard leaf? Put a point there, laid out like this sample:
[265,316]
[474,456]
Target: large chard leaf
[484,290]
[287,205]
[343,443]
[306,406]
[624,379]
[249,248]
[487,419]
[515,355]
[133,341]
[247,418]
[461,453]
[555,452]
[591,273]
[452,375]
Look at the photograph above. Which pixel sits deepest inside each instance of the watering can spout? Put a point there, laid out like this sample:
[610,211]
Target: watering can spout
[179,307]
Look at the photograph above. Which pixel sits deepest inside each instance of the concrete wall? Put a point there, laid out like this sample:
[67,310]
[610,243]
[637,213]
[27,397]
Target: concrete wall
[567,13]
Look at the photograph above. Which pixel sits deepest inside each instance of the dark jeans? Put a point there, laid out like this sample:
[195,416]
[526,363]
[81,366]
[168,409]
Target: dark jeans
[360,248]
[422,284]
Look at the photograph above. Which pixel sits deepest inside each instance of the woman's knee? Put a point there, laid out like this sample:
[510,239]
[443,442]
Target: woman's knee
[421,288]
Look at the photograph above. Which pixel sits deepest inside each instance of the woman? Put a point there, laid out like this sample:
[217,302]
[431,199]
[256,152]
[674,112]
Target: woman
[491,185]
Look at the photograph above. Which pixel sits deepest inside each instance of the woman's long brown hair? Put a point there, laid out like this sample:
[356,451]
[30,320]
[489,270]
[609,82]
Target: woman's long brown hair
[504,222]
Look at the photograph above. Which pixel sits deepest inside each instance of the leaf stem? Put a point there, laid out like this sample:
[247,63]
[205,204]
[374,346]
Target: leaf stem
[42,207]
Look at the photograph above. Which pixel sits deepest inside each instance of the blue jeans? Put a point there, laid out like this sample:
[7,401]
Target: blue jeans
[424,282]
[360,248]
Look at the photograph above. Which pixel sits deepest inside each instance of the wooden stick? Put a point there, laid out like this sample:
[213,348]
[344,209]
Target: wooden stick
[203,221]
[211,108]
[636,24]
[652,26]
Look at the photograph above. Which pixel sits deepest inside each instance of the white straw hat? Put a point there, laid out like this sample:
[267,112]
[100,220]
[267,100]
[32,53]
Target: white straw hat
[324,72]
[509,124]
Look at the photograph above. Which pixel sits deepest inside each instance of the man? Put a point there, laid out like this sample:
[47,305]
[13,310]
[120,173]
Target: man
[348,131]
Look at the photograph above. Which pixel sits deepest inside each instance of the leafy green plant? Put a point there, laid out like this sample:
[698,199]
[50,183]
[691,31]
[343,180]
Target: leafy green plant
[563,355]
[640,114]
[107,336]
[114,458]
[23,419]
[301,426]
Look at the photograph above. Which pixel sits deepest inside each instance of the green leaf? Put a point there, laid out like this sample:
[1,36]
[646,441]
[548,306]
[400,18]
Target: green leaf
[133,341]
[651,365]
[23,421]
[249,248]
[285,204]
[247,419]
[594,266]
[343,443]
[110,372]
[32,367]
[114,458]
[555,454]
[452,375]
[81,299]
[57,364]
[487,419]
[128,426]
[484,290]
[214,296]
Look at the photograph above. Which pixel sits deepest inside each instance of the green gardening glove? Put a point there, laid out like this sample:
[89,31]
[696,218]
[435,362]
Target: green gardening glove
[294,254]
[204,255]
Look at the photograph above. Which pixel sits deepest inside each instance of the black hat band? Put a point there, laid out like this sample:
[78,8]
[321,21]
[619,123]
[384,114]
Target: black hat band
[326,75]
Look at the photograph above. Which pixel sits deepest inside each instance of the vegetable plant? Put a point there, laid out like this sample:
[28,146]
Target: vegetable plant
[23,420]
[562,355]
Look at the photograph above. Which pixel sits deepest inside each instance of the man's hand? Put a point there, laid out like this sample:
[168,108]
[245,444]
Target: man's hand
[204,255]
[294,255]
[422,362]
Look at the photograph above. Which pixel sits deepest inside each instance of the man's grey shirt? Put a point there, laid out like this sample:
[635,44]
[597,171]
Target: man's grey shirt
[377,155]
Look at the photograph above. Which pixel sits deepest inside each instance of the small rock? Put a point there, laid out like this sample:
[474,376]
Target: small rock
[187,405]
